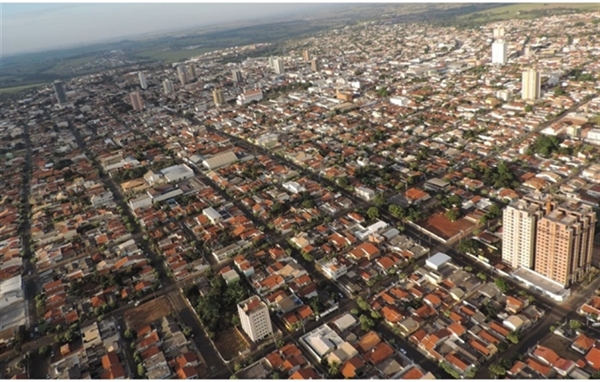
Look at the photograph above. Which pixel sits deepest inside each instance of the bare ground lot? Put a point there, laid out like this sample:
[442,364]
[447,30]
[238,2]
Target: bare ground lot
[439,225]
[230,343]
[149,312]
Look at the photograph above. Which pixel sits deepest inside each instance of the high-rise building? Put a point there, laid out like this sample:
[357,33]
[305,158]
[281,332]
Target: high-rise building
[218,97]
[136,101]
[168,86]
[531,85]
[564,243]
[519,224]
[315,65]
[191,70]
[499,52]
[236,75]
[143,83]
[255,319]
[278,66]
[498,32]
[182,74]
[272,62]
[59,89]
[306,55]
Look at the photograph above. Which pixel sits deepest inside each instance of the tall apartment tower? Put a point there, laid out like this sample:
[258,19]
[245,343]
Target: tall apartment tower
[564,242]
[182,74]
[272,62]
[236,75]
[278,66]
[136,101]
[143,83]
[191,71]
[499,47]
[530,85]
[59,89]
[519,223]
[218,97]
[255,319]
[168,86]
[315,65]
[499,52]
[306,55]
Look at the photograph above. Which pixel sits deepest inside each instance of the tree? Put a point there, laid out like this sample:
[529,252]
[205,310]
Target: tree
[366,323]
[513,337]
[362,304]
[379,199]
[130,334]
[501,284]
[496,370]
[333,369]
[44,350]
[187,331]
[237,367]
[343,181]
[528,108]
[141,370]
[373,213]
[575,324]
[452,214]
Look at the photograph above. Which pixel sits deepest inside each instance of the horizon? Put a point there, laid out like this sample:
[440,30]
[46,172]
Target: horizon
[30,28]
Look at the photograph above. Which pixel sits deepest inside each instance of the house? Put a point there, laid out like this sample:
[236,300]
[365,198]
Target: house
[416,196]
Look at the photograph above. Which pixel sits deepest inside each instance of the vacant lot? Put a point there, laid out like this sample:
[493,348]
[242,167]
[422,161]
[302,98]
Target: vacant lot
[149,312]
[230,343]
[439,225]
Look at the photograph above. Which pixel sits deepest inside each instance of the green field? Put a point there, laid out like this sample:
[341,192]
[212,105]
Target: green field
[523,11]
[17,89]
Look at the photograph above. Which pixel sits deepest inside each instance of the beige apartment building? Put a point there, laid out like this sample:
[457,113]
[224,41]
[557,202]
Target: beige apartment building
[255,319]
[531,85]
[564,243]
[218,98]
[519,222]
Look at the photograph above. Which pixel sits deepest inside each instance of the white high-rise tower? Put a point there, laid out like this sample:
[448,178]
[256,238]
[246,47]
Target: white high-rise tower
[499,47]
[143,83]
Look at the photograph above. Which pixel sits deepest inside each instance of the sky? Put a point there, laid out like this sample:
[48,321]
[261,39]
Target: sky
[33,27]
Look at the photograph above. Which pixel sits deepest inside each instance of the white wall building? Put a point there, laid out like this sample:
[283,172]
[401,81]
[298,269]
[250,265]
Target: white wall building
[255,319]
[499,52]
[143,83]
[518,234]
[530,85]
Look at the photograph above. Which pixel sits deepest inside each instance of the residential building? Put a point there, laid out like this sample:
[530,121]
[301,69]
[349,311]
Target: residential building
[136,101]
[278,66]
[168,86]
[315,65]
[236,75]
[182,74]
[143,83]
[255,319]
[59,89]
[564,243]
[519,227]
[499,52]
[218,98]
[530,85]
[306,55]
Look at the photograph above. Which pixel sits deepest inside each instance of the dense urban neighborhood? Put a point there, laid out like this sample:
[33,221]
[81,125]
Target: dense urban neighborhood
[386,200]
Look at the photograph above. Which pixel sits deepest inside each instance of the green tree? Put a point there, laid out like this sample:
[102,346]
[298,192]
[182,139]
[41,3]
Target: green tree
[501,284]
[379,199]
[575,324]
[44,350]
[496,370]
[362,304]
[343,181]
[141,370]
[373,213]
[452,214]
[130,334]
[513,337]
